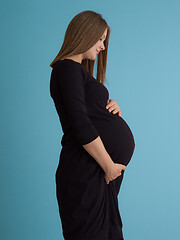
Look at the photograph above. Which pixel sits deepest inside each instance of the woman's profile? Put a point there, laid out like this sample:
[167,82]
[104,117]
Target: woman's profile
[97,143]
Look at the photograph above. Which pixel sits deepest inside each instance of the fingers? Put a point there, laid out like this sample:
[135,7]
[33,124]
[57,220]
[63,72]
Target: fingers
[108,179]
[115,111]
[124,167]
[110,106]
[117,172]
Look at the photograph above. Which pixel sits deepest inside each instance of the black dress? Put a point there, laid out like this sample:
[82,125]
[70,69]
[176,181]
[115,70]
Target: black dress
[88,206]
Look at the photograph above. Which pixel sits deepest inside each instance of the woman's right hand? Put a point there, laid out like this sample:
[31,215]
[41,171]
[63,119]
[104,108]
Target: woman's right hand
[114,172]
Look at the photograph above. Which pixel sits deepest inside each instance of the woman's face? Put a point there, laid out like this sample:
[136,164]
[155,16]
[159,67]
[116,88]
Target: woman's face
[99,46]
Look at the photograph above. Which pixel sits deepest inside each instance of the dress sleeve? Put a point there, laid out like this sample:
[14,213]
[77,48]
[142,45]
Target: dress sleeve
[71,83]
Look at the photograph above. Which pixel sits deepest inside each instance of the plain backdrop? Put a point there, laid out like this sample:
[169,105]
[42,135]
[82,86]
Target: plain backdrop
[143,73]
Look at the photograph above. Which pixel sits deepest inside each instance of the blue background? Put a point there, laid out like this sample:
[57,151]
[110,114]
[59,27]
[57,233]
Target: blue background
[143,75]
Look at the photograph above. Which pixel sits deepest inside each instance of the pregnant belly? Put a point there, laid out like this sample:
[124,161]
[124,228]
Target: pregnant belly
[116,135]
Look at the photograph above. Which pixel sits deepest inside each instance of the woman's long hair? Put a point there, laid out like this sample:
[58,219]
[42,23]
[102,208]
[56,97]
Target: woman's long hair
[82,33]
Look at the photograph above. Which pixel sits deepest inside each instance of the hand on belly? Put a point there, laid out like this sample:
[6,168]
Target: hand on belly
[113,107]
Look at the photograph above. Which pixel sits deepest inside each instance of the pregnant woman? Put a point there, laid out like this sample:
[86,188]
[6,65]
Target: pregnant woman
[97,144]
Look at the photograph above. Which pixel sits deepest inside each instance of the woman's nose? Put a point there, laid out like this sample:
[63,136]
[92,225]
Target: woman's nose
[102,46]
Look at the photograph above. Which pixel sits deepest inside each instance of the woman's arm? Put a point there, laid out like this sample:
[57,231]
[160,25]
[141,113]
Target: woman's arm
[97,150]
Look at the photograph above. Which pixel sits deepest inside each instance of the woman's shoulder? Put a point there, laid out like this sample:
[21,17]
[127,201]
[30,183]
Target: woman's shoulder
[67,62]
[68,68]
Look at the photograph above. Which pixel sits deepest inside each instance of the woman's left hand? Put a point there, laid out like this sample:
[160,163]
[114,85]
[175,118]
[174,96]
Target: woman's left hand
[113,106]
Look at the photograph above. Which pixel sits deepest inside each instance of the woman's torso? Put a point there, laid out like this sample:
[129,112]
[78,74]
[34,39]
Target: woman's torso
[115,133]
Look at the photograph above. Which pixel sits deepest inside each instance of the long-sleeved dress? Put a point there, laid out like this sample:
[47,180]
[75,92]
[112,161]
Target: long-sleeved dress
[88,206]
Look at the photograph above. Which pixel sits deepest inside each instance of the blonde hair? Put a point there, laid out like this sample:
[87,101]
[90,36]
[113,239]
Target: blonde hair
[82,33]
